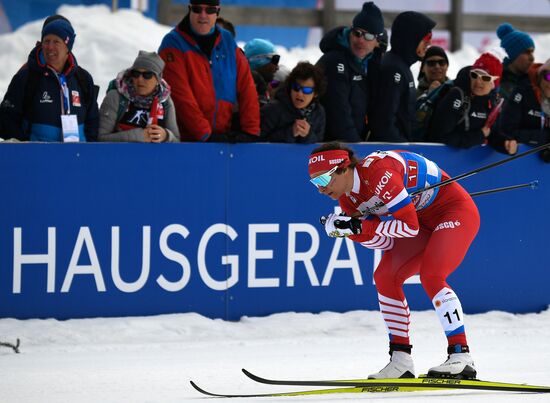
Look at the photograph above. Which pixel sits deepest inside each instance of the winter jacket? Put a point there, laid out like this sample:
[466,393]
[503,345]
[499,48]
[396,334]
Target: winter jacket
[121,120]
[42,122]
[457,127]
[206,89]
[522,117]
[350,84]
[394,110]
[510,81]
[279,115]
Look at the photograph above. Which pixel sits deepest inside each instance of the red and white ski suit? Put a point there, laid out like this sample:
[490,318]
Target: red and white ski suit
[428,234]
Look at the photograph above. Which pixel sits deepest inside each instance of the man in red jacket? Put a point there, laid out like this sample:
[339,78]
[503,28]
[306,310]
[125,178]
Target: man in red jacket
[209,75]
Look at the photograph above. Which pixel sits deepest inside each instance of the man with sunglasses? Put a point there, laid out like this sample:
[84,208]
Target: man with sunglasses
[209,76]
[433,70]
[427,234]
[394,111]
[526,115]
[351,62]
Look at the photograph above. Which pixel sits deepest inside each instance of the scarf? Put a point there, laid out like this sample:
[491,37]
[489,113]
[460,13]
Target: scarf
[126,88]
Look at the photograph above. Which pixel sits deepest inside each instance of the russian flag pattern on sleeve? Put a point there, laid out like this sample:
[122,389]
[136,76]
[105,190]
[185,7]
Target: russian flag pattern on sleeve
[396,316]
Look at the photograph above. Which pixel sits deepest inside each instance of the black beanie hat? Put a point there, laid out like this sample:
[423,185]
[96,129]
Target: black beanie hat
[435,51]
[370,19]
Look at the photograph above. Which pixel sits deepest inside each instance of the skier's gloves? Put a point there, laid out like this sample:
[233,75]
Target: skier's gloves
[340,226]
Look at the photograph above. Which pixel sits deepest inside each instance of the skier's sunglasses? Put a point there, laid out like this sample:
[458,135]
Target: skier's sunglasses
[435,62]
[363,34]
[145,74]
[545,75]
[324,179]
[207,9]
[305,90]
[484,77]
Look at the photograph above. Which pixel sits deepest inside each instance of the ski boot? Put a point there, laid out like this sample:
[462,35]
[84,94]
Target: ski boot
[401,364]
[459,364]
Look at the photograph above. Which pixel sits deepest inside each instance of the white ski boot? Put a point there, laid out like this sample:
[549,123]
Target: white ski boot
[459,365]
[400,366]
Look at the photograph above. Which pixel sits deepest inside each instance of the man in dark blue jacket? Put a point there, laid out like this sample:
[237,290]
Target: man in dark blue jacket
[520,49]
[51,98]
[526,115]
[350,62]
[394,110]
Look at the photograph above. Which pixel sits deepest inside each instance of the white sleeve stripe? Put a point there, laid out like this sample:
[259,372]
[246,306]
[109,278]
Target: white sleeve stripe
[395,229]
[379,242]
[391,301]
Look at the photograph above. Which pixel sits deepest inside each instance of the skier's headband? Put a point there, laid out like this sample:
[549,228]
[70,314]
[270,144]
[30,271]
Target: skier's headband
[326,160]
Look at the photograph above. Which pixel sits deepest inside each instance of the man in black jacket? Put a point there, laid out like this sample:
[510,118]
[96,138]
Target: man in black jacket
[350,62]
[519,48]
[394,110]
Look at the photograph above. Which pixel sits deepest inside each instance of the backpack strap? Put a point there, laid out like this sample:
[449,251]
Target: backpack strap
[465,109]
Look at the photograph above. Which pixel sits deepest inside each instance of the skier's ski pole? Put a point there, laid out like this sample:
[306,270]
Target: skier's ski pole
[533,185]
[481,169]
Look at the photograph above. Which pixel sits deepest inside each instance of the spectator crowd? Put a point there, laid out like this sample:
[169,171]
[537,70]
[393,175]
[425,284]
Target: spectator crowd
[199,86]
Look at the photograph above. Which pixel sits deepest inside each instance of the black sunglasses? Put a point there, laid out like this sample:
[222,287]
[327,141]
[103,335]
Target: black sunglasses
[145,74]
[545,75]
[433,63]
[207,9]
[363,34]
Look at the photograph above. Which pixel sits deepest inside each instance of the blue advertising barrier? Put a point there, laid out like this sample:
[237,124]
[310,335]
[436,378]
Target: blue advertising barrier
[224,230]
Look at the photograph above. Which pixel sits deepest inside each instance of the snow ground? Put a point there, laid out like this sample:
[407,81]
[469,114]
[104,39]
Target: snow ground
[152,359]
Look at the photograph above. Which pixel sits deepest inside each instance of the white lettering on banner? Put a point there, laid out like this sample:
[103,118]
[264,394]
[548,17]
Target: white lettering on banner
[296,259]
[145,261]
[254,254]
[19,259]
[231,260]
[175,257]
[84,238]
[307,257]
[351,263]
